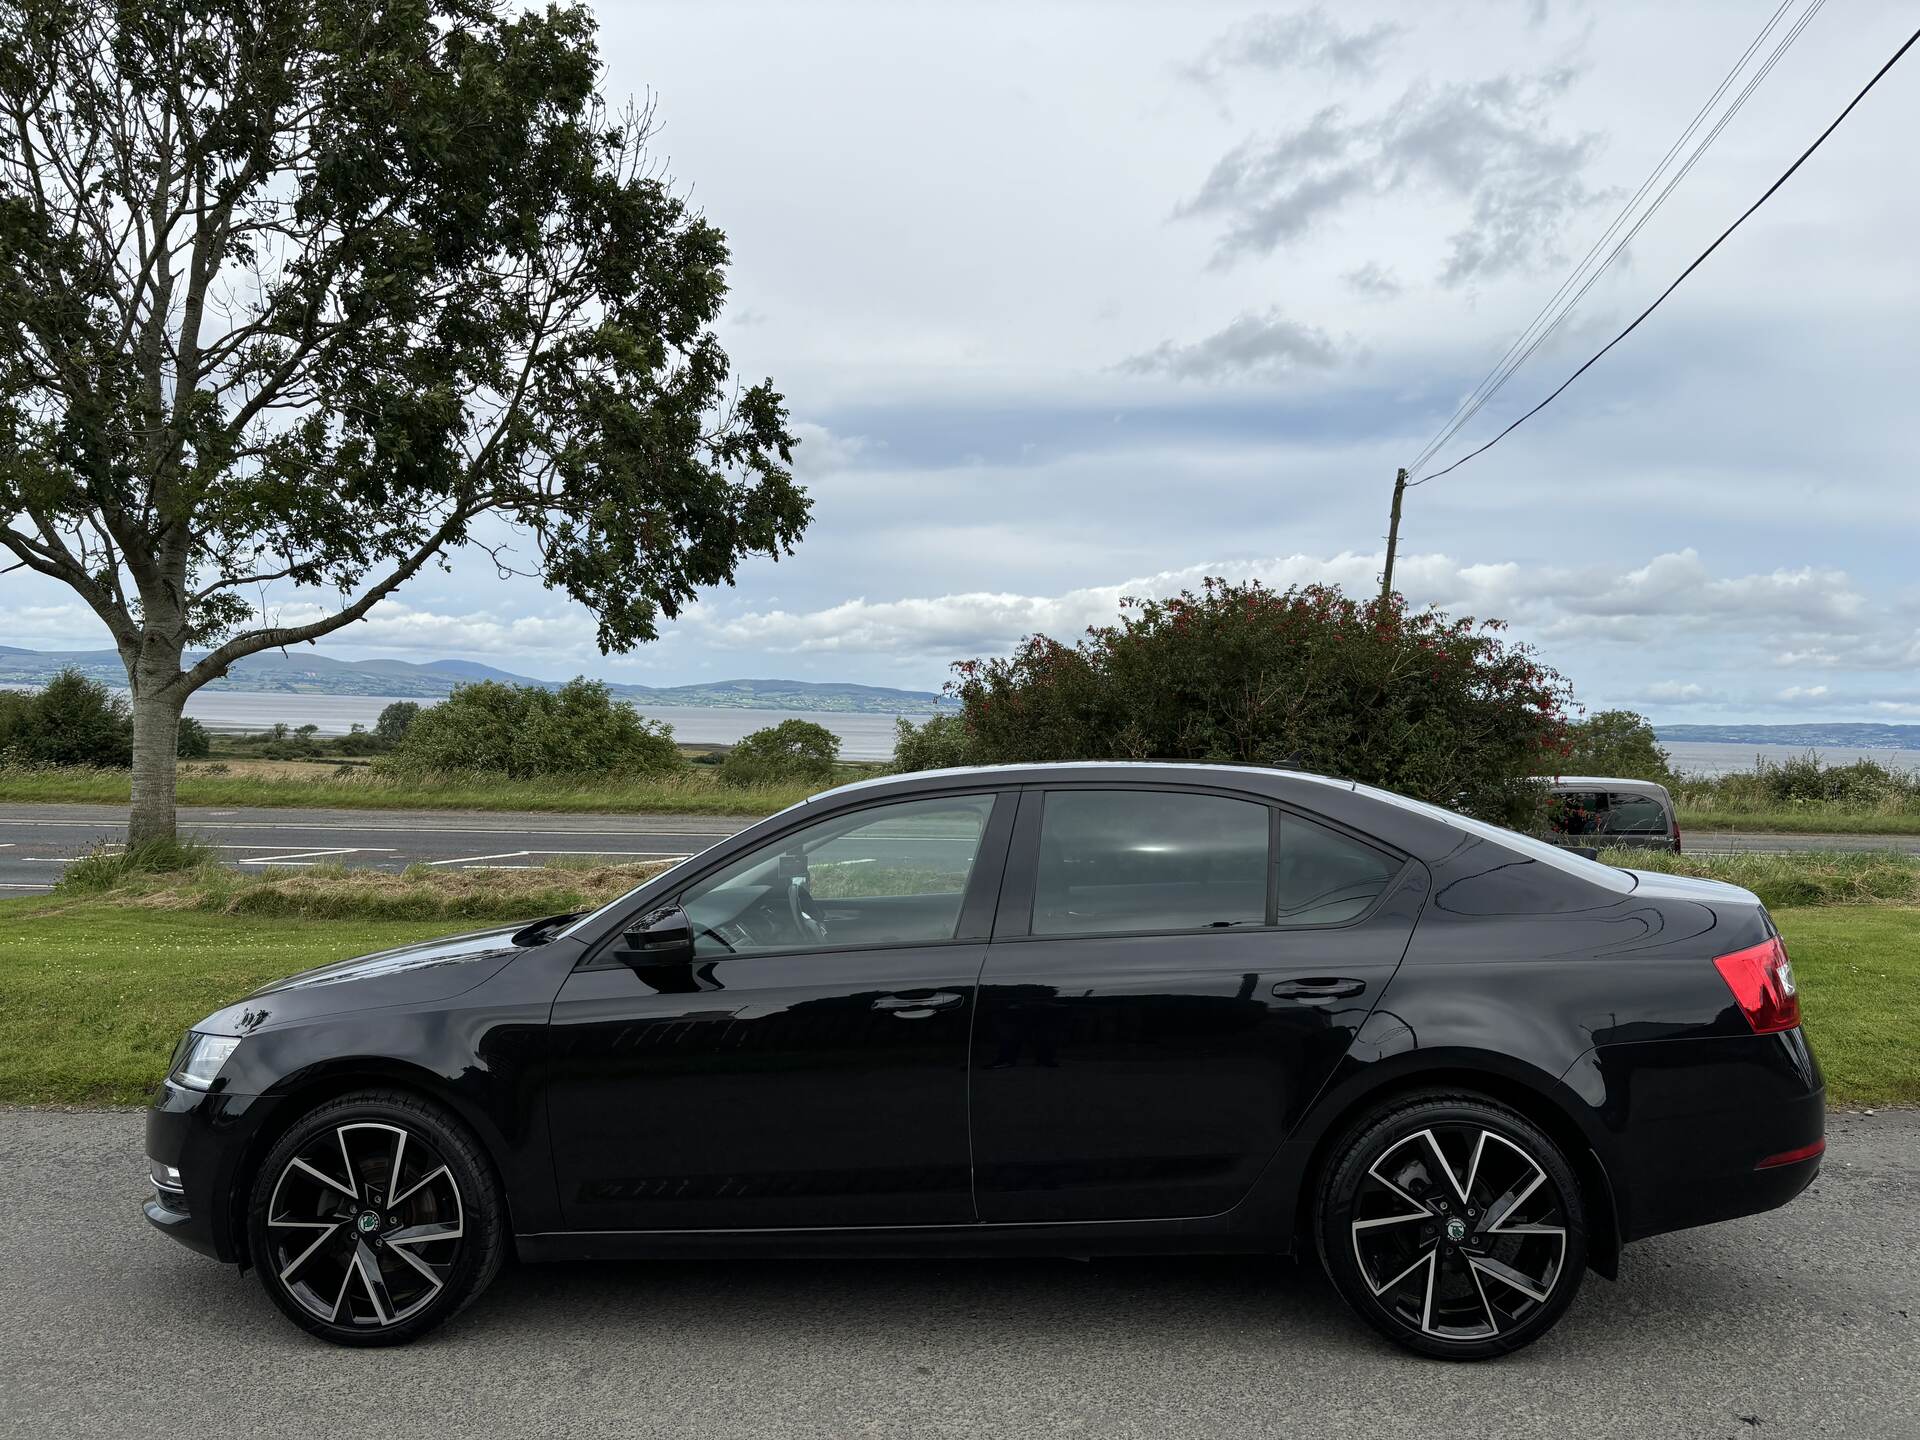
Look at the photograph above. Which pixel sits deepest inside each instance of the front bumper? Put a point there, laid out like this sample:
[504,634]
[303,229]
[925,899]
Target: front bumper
[205,1135]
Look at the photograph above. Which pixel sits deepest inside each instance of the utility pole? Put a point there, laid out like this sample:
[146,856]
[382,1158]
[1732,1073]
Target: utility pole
[1393,536]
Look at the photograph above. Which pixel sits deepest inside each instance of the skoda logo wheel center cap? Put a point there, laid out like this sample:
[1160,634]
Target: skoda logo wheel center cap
[1456,1229]
[368,1222]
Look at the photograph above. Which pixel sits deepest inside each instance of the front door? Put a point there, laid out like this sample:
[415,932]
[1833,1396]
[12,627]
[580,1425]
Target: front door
[1174,976]
[809,1068]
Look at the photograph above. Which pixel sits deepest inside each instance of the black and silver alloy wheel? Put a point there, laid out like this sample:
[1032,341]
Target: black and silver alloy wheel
[374,1219]
[1454,1226]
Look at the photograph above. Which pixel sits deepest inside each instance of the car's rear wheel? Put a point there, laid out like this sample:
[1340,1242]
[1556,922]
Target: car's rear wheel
[375,1218]
[1452,1224]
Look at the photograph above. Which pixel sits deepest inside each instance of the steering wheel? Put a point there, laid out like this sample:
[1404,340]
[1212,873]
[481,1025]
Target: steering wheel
[798,898]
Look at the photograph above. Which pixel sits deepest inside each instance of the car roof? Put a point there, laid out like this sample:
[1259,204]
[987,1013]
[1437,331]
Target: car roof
[1608,782]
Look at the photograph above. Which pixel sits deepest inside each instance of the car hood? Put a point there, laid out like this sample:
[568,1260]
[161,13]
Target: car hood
[421,973]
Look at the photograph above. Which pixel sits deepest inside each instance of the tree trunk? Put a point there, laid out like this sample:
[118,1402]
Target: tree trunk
[156,741]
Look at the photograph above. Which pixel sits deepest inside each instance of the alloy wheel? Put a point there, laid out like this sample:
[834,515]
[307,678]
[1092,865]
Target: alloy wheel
[365,1225]
[1459,1232]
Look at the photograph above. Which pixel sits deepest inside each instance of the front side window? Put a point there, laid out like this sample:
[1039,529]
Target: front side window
[1143,860]
[891,874]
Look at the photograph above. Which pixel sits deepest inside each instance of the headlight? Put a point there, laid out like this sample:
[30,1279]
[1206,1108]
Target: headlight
[197,1062]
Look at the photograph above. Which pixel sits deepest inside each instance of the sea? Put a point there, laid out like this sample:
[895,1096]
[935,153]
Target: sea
[862,736]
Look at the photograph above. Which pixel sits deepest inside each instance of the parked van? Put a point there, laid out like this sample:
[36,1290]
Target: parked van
[1600,810]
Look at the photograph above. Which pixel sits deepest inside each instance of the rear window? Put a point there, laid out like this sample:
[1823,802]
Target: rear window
[1634,815]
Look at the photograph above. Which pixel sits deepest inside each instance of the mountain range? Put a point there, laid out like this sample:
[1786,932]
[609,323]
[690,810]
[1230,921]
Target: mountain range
[283,673]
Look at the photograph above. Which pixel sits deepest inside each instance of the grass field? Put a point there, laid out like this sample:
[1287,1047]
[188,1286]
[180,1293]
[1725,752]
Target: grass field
[94,991]
[694,790]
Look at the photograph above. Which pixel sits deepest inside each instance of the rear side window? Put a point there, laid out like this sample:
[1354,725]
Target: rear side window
[1327,878]
[1575,812]
[1133,860]
[1634,815]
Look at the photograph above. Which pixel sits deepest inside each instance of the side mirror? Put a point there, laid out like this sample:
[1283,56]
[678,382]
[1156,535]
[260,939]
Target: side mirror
[660,937]
[1585,852]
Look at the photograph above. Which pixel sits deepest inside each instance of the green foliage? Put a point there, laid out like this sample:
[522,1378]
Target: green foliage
[194,743]
[70,721]
[793,750]
[940,743]
[391,727]
[523,731]
[1618,743]
[1439,708]
[1863,794]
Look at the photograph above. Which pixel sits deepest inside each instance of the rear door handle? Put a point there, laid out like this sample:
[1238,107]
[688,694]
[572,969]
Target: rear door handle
[1330,988]
[918,1007]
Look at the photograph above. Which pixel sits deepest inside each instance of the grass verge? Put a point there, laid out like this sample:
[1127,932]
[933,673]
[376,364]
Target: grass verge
[1820,878]
[95,988]
[695,790]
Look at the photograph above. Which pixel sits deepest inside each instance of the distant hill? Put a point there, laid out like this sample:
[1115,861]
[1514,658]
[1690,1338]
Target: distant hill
[306,673]
[1811,737]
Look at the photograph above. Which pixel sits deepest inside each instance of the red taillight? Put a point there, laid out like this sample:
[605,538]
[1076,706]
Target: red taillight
[1761,978]
[1676,837]
[1794,1157]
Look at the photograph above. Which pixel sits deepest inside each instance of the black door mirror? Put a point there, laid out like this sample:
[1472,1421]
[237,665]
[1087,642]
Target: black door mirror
[660,937]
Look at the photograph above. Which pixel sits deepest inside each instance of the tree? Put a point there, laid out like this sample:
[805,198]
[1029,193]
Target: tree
[70,721]
[791,750]
[313,292]
[938,743]
[1616,742]
[392,725]
[1441,708]
[194,742]
[524,731]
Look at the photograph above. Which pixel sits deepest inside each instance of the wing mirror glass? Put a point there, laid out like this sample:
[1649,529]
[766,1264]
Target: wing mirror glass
[660,937]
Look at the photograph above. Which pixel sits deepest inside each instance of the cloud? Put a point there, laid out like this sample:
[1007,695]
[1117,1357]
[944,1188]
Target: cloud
[1373,281]
[1486,143]
[1252,346]
[1803,692]
[1306,40]
[821,451]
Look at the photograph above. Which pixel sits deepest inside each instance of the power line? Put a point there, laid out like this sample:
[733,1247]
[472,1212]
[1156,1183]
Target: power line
[1787,175]
[1495,377]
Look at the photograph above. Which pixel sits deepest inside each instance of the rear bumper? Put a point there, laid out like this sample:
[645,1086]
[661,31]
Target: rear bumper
[1695,1119]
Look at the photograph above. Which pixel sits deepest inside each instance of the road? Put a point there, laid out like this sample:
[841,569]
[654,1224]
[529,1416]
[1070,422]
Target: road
[1801,1323]
[37,841]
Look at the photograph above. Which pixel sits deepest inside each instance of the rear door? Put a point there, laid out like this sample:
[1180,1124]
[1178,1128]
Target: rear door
[1174,974]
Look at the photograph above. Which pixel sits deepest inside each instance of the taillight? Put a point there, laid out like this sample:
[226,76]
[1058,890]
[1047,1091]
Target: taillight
[1761,978]
[1795,1155]
[1676,837]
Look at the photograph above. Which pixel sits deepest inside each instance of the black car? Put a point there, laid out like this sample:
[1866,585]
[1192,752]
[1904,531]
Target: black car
[1071,1009]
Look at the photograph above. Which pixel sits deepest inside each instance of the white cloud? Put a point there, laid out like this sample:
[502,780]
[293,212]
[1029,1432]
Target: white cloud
[1803,692]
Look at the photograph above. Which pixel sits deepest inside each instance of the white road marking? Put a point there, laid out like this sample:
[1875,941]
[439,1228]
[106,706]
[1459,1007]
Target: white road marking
[300,855]
[517,854]
[187,821]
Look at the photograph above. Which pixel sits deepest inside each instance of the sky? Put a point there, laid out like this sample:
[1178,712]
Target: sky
[1073,302]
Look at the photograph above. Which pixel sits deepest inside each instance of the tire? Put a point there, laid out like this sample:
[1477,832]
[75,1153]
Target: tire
[1458,1278]
[351,1257]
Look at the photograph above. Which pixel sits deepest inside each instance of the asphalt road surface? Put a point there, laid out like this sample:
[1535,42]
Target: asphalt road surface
[37,841]
[1801,1323]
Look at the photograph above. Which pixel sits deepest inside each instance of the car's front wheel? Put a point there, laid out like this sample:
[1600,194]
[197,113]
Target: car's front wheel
[375,1218]
[1452,1224]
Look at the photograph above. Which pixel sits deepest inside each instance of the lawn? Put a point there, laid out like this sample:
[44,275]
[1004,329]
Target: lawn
[94,993]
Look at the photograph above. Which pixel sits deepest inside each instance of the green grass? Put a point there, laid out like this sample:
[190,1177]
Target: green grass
[1859,972]
[1815,818]
[95,991]
[1821,878]
[695,790]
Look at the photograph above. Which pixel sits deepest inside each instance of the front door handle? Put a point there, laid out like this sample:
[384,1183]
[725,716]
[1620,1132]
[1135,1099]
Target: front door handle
[918,1007]
[1330,988]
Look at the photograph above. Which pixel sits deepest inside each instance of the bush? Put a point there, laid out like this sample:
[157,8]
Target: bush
[70,721]
[394,722]
[1616,742]
[791,750]
[940,743]
[194,742]
[105,869]
[526,731]
[1439,708]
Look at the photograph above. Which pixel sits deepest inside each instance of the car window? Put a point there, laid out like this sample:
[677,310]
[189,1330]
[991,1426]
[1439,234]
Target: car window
[1134,860]
[1634,815]
[1574,812]
[1327,878]
[890,874]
